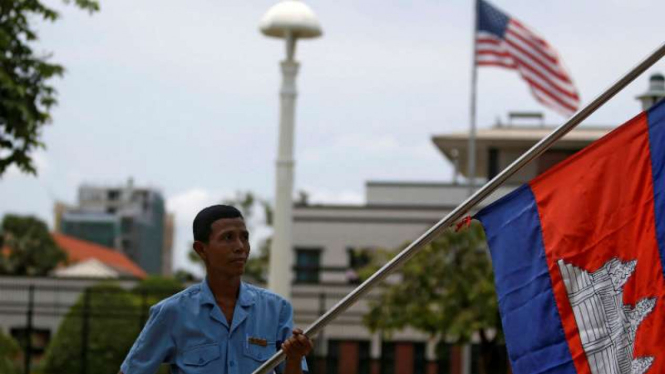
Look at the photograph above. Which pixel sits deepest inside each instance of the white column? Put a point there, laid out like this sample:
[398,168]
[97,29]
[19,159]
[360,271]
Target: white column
[466,358]
[430,349]
[375,346]
[281,251]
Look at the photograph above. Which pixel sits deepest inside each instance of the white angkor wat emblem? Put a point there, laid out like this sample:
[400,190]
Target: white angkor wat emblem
[607,327]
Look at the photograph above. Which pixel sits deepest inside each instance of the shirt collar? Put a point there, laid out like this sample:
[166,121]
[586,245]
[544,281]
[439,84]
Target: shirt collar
[245,298]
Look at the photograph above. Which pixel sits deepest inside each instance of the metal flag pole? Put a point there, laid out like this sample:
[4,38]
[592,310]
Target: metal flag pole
[471,154]
[468,204]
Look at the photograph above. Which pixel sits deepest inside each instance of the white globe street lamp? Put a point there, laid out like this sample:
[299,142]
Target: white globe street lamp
[290,20]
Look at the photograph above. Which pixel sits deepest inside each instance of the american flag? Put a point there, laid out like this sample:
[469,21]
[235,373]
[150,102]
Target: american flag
[503,41]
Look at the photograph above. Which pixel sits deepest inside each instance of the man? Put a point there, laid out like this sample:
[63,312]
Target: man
[222,325]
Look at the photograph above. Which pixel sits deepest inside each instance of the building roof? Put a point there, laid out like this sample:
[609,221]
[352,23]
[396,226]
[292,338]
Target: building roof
[80,250]
[529,133]
[516,138]
[91,268]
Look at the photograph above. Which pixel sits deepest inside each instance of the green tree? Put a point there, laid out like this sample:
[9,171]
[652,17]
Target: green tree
[156,285]
[155,288]
[446,291]
[32,250]
[152,290]
[115,317]
[9,352]
[114,320]
[26,97]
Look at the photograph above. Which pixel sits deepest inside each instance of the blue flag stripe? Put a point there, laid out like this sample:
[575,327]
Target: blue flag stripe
[531,322]
[656,117]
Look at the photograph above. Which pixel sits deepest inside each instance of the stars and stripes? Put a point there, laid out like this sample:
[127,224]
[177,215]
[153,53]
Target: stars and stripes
[505,42]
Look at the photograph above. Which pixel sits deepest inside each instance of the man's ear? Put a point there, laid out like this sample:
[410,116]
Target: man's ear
[199,247]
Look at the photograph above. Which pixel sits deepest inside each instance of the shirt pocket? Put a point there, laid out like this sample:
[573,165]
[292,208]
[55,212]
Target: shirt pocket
[201,355]
[259,352]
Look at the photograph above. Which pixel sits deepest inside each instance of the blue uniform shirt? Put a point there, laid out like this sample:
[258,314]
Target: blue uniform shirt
[189,331]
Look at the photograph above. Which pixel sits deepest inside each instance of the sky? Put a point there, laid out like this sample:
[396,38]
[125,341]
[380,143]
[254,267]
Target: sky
[182,96]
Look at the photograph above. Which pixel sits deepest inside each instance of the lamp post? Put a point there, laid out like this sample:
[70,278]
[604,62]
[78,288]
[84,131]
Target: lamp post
[290,20]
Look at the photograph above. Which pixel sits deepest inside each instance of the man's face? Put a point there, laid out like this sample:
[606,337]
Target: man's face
[227,249]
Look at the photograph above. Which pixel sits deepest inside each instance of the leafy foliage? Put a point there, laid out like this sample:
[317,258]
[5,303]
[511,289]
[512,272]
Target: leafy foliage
[115,318]
[31,248]
[26,97]
[9,352]
[114,322]
[446,290]
[153,289]
[156,285]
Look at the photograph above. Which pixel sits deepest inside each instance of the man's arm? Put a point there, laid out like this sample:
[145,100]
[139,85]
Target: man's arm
[295,348]
[296,344]
[153,346]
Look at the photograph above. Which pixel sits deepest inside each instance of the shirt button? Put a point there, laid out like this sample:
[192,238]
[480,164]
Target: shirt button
[232,363]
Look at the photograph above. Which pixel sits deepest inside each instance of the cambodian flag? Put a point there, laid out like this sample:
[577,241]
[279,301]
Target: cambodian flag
[579,255]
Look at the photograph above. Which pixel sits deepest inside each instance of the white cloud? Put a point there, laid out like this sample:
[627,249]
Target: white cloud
[42,163]
[39,160]
[363,146]
[185,205]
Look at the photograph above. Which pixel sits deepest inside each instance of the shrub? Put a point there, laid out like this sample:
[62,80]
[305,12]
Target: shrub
[114,322]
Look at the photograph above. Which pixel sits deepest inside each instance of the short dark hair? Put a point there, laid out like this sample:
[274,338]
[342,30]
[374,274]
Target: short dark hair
[206,217]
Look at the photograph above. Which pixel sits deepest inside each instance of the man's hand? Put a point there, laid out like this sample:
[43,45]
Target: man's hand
[295,348]
[298,345]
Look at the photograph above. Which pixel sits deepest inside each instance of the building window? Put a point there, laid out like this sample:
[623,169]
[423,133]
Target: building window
[312,361]
[503,363]
[333,357]
[443,355]
[492,163]
[113,194]
[499,361]
[308,265]
[551,158]
[419,360]
[364,358]
[387,358]
[475,358]
[358,258]
[39,339]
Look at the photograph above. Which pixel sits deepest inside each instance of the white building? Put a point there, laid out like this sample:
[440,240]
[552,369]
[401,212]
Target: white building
[325,237]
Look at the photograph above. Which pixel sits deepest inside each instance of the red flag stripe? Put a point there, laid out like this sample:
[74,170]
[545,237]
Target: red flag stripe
[546,52]
[496,63]
[507,63]
[495,54]
[486,55]
[535,85]
[515,48]
[546,81]
[487,40]
[536,59]
[545,100]
[563,86]
[533,37]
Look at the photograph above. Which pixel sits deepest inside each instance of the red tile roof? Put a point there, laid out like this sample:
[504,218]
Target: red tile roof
[80,250]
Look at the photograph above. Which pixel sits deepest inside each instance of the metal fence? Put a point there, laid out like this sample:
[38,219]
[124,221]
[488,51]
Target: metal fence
[37,315]
[93,325]
[85,321]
